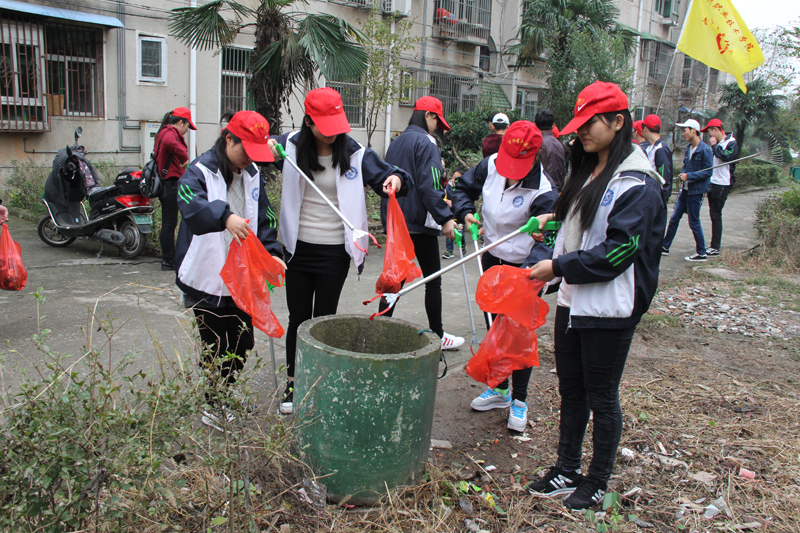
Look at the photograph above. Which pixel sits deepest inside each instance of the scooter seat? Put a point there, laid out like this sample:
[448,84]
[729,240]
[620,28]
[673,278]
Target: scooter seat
[99,192]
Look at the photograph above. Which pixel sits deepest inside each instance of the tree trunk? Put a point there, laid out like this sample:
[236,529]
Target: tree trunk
[268,94]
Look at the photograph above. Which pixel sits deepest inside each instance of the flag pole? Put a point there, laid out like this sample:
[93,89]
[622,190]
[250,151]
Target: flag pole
[675,53]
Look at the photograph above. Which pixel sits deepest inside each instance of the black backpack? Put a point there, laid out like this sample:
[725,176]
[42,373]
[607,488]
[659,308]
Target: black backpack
[151,183]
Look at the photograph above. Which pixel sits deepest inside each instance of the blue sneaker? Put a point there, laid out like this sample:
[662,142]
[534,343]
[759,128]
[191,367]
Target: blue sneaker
[518,416]
[491,399]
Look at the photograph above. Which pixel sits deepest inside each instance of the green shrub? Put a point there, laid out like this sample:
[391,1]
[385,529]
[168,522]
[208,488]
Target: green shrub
[467,131]
[778,227]
[756,173]
[25,186]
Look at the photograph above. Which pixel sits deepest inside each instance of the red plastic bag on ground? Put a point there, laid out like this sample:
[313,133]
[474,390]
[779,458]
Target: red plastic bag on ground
[508,346]
[247,270]
[13,275]
[398,263]
[508,291]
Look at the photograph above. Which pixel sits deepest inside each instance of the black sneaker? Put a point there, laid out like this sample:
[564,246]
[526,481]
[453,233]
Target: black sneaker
[556,482]
[664,251]
[588,494]
[696,258]
[287,405]
[712,252]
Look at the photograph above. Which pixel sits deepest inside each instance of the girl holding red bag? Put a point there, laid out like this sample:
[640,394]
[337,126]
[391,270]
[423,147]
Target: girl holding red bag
[221,198]
[606,257]
[515,187]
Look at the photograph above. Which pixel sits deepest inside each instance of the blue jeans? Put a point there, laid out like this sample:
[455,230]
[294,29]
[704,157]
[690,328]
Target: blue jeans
[448,244]
[689,204]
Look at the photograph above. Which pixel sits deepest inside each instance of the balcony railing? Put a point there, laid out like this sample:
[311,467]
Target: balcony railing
[466,21]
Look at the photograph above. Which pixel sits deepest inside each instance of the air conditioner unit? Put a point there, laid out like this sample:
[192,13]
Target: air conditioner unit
[401,7]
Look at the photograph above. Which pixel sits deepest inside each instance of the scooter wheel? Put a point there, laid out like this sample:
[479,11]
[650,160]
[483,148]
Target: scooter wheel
[134,240]
[49,233]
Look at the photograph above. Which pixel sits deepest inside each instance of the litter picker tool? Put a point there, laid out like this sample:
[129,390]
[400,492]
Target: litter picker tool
[772,155]
[459,239]
[475,232]
[530,227]
[357,233]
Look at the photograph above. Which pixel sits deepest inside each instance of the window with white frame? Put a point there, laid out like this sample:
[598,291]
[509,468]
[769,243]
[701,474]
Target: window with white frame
[412,83]
[152,52]
[354,100]
[234,79]
[527,102]
[457,93]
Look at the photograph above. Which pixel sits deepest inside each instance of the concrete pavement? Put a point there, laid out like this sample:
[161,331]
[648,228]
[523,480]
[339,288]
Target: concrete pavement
[83,292]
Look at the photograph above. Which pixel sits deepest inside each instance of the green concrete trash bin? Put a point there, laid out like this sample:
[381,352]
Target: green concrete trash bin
[795,173]
[365,391]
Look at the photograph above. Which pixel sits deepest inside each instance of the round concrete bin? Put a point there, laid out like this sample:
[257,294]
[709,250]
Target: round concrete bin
[365,391]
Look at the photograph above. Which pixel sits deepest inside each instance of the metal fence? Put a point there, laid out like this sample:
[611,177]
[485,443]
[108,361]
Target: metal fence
[466,21]
[354,99]
[234,78]
[457,93]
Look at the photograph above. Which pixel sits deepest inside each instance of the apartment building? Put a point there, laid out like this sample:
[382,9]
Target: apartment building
[112,67]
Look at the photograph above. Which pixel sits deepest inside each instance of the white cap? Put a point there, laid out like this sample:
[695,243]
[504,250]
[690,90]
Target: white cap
[500,118]
[691,123]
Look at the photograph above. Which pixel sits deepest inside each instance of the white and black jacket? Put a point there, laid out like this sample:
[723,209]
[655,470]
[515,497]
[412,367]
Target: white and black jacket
[614,275]
[200,251]
[506,209]
[366,169]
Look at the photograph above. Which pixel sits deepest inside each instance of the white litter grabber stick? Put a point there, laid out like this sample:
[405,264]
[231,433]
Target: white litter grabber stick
[473,229]
[532,226]
[357,233]
[457,241]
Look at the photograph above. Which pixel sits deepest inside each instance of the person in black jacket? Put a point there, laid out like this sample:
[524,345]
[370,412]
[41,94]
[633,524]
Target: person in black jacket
[426,212]
[221,198]
[658,153]
[607,254]
[725,149]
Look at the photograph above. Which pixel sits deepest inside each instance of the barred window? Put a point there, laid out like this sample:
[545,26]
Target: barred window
[152,59]
[457,93]
[354,99]
[527,102]
[467,21]
[74,71]
[234,79]
[412,82]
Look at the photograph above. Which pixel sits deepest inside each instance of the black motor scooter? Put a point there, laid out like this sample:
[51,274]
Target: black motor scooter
[118,214]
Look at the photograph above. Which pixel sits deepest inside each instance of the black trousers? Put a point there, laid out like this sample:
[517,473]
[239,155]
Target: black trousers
[308,295]
[426,248]
[589,364]
[519,378]
[169,219]
[227,335]
[716,201]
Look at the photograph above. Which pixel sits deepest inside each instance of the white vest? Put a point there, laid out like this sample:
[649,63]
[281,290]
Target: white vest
[206,254]
[505,210]
[349,191]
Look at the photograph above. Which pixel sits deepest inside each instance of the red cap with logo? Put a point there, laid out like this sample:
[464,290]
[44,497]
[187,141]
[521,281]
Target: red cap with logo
[599,97]
[434,105]
[253,130]
[714,123]
[325,108]
[518,149]
[637,125]
[652,121]
[184,112]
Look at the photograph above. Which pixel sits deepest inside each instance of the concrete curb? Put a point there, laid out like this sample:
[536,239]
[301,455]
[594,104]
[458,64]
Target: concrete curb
[24,214]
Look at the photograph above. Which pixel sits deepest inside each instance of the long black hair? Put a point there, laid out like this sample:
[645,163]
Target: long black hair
[169,119]
[587,199]
[222,156]
[307,157]
[418,119]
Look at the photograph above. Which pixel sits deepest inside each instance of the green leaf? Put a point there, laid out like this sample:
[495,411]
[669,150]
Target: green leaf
[611,500]
[590,516]
[632,517]
[218,520]
[601,528]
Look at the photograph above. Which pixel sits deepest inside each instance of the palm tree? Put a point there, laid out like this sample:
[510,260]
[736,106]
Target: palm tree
[758,107]
[553,21]
[290,46]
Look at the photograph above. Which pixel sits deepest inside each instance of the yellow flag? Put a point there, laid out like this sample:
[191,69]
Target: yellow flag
[716,35]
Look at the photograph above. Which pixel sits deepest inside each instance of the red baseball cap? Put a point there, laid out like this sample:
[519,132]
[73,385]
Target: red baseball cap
[434,105]
[253,130]
[652,121]
[714,123]
[184,112]
[599,97]
[637,125]
[555,131]
[518,149]
[325,108]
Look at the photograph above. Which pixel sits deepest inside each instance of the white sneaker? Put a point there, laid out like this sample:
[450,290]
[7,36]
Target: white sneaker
[518,416]
[451,342]
[214,421]
[491,399]
[287,405]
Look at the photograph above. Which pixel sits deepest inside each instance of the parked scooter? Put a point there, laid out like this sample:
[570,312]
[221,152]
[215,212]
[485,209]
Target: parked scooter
[118,214]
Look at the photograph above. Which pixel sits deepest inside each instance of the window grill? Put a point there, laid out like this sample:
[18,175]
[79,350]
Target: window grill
[22,99]
[686,76]
[456,93]
[658,67]
[527,102]
[362,4]
[409,78]
[235,76]
[74,70]
[354,100]
[466,21]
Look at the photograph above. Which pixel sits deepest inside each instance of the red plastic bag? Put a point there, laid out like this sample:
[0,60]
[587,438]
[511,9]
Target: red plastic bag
[13,275]
[398,263]
[247,271]
[507,347]
[508,291]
